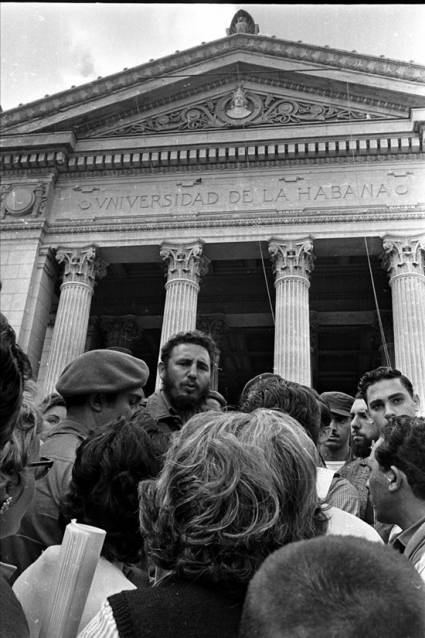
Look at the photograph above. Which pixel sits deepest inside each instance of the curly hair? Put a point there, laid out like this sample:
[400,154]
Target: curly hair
[103,488]
[193,336]
[24,437]
[272,391]
[234,487]
[383,372]
[403,446]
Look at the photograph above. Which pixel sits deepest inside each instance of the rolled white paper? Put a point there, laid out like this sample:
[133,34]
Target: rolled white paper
[79,555]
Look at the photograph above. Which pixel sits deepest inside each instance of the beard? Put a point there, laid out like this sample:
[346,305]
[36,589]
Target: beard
[183,401]
[362,449]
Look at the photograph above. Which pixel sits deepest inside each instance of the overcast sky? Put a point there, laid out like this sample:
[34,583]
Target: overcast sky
[48,47]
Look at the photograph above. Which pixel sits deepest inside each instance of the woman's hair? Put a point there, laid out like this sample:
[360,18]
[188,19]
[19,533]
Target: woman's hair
[14,455]
[103,489]
[234,487]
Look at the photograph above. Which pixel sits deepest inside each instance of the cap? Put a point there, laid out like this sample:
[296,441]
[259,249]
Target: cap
[338,402]
[106,371]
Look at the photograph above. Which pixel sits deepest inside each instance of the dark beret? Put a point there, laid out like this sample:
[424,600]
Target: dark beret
[102,371]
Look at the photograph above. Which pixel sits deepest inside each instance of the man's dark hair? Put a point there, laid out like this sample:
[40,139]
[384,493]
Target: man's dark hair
[103,491]
[383,372]
[195,337]
[403,446]
[272,391]
[335,586]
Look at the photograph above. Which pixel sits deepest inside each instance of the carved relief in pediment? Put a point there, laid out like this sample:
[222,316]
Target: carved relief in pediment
[241,108]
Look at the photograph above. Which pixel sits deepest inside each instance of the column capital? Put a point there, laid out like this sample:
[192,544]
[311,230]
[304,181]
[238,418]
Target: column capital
[81,265]
[292,257]
[185,261]
[404,255]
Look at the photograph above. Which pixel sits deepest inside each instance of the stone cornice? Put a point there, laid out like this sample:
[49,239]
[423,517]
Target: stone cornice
[248,155]
[342,60]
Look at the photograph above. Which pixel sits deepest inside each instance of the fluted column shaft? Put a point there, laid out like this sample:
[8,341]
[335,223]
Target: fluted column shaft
[72,317]
[185,266]
[405,261]
[292,262]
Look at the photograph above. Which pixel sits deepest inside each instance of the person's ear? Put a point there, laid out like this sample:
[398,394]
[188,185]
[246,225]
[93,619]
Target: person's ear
[395,478]
[417,402]
[161,370]
[96,401]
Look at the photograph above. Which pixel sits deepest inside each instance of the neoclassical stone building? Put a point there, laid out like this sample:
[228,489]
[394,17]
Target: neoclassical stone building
[267,191]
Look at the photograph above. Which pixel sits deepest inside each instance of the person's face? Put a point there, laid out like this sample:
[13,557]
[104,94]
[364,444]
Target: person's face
[51,417]
[378,487]
[125,404]
[187,376]
[387,398]
[339,433]
[363,429]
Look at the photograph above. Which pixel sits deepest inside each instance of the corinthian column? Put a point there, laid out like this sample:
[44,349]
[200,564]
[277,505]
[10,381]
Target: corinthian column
[405,260]
[70,331]
[185,266]
[292,264]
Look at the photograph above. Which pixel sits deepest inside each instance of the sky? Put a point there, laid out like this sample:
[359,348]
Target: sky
[49,47]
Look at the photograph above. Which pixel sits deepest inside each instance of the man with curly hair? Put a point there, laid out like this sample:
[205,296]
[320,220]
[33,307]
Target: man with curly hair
[397,484]
[185,368]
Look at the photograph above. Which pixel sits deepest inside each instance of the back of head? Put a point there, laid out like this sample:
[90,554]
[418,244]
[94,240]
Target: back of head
[234,487]
[378,374]
[272,391]
[403,446]
[335,586]
[105,478]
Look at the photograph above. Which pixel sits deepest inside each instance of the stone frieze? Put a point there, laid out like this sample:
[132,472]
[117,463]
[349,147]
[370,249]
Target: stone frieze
[242,108]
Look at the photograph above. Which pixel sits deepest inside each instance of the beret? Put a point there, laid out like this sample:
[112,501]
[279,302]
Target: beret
[338,402]
[102,371]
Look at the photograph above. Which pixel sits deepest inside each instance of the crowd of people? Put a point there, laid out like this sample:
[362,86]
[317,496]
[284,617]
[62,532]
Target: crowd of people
[290,515]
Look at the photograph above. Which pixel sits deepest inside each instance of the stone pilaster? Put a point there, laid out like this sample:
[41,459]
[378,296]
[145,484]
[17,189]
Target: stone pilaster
[405,261]
[185,267]
[292,264]
[70,332]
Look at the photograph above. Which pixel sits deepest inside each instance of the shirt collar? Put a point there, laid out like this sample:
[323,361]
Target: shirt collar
[408,533]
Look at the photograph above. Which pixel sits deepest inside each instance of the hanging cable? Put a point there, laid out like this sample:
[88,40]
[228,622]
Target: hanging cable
[381,327]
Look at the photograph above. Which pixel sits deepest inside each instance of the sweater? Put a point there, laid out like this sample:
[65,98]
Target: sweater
[176,609]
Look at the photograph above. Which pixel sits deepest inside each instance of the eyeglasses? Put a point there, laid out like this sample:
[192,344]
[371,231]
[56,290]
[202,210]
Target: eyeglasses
[41,467]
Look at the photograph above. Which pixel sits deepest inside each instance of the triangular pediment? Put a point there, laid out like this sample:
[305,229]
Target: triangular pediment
[242,105]
[283,83]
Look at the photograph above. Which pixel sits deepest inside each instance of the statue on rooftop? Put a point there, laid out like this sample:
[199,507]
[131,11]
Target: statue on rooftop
[242,23]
